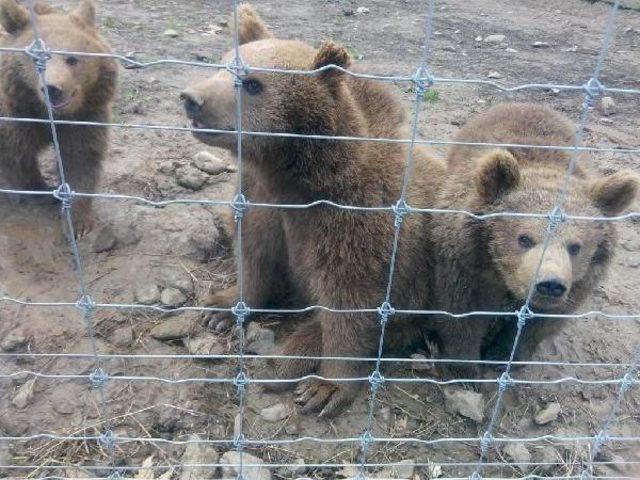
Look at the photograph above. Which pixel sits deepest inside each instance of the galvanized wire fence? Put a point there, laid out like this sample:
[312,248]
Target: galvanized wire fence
[422,80]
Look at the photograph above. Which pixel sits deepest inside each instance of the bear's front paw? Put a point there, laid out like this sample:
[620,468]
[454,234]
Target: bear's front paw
[330,398]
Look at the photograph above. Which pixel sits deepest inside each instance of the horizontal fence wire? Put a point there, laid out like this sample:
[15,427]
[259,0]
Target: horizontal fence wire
[99,377]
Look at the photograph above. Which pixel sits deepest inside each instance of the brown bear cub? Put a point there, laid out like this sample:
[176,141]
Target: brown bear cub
[80,88]
[490,264]
[322,255]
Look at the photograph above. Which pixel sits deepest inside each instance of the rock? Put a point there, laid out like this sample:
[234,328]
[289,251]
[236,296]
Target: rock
[205,344]
[67,399]
[403,470]
[122,337]
[494,39]
[178,279]
[24,394]
[547,454]
[608,105]
[511,50]
[540,45]
[259,340]
[232,458]
[361,10]
[105,240]
[173,329]
[167,167]
[222,21]
[171,33]
[296,469]
[423,365]
[77,472]
[572,49]
[172,297]
[464,402]
[275,413]
[494,74]
[13,340]
[199,453]
[209,163]
[434,470]
[147,294]
[479,38]
[548,414]
[517,453]
[191,178]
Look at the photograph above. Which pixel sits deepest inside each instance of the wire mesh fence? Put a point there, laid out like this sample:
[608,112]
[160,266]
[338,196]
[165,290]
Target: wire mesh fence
[422,80]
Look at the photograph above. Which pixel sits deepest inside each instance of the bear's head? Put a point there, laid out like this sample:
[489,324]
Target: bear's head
[271,102]
[75,84]
[579,252]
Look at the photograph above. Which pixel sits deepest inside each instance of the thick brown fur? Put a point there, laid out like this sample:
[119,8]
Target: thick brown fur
[322,255]
[88,86]
[481,264]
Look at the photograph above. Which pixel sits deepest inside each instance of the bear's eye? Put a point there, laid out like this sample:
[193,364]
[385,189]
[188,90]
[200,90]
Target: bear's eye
[252,86]
[71,61]
[525,241]
[574,249]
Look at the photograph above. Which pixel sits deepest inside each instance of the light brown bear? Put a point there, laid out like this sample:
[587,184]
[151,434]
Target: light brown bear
[490,264]
[322,255]
[80,88]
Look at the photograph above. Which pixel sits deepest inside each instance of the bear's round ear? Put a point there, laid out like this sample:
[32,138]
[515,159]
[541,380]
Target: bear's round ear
[613,193]
[85,12]
[331,54]
[13,17]
[498,173]
[250,26]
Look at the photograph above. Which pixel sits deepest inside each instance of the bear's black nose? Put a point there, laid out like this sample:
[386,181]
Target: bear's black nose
[56,95]
[551,288]
[192,105]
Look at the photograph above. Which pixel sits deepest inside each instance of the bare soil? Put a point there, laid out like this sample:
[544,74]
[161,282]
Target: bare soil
[186,247]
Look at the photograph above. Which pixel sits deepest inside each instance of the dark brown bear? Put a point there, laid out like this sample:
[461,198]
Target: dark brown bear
[490,264]
[320,256]
[80,88]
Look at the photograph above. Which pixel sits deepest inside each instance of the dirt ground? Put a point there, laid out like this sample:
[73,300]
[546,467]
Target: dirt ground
[138,251]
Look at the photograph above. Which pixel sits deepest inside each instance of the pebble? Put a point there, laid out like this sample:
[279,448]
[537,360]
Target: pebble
[540,45]
[517,453]
[296,469]
[147,294]
[403,470]
[167,167]
[494,39]
[275,413]
[494,74]
[209,163]
[205,344]
[422,365]
[199,453]
[170,32]
[548,414]
[178,279]
[546,454]
[77,472]
[361,10]
[608,105]
[248,473]
[466,403]
[122,337]
[479,38]
[191,178]
[511,50]
[67,399]
[23,396]
[172,297]
[259,340]
[105,240]
[173,329]
[13,341]
[572,49]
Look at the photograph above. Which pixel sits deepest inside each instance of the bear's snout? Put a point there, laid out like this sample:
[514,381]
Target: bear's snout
[56,95]
[192,103]
[555,288]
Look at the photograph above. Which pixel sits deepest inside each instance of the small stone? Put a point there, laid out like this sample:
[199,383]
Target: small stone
[171,33]
[105,240]
[511,50]
[572,49]
[222,21]
[172,297]
[361,10]
[402,470]
[205,344]
[449,48]
[517,453]
[259,340]
[77,472]
[434,470]
[23,396]
[608,105]
[494,74]
[13,340]
[167,167]
[548,414]
[180,280]
[494,39]
[423,365]
[147,294]
[606,121]
[548,457]
[479,38]
[199,453]
[122,337]
[231,458]
[209,163]
[466,403]
[275,413]
[173,329]
[67,399]
[540,45]
[190,178]
[294,470]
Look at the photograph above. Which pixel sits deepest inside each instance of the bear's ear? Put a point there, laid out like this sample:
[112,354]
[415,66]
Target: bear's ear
[250,25]
[331,54]
[42,8]
[613,193]
[13,17]
[85,12]
[497,174]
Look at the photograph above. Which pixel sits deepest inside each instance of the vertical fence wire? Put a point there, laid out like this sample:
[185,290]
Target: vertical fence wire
[556,217]
[422,81]
[64,193]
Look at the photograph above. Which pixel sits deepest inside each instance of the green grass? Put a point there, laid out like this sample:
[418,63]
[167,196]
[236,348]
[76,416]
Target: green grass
[109,22]
[431,95]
